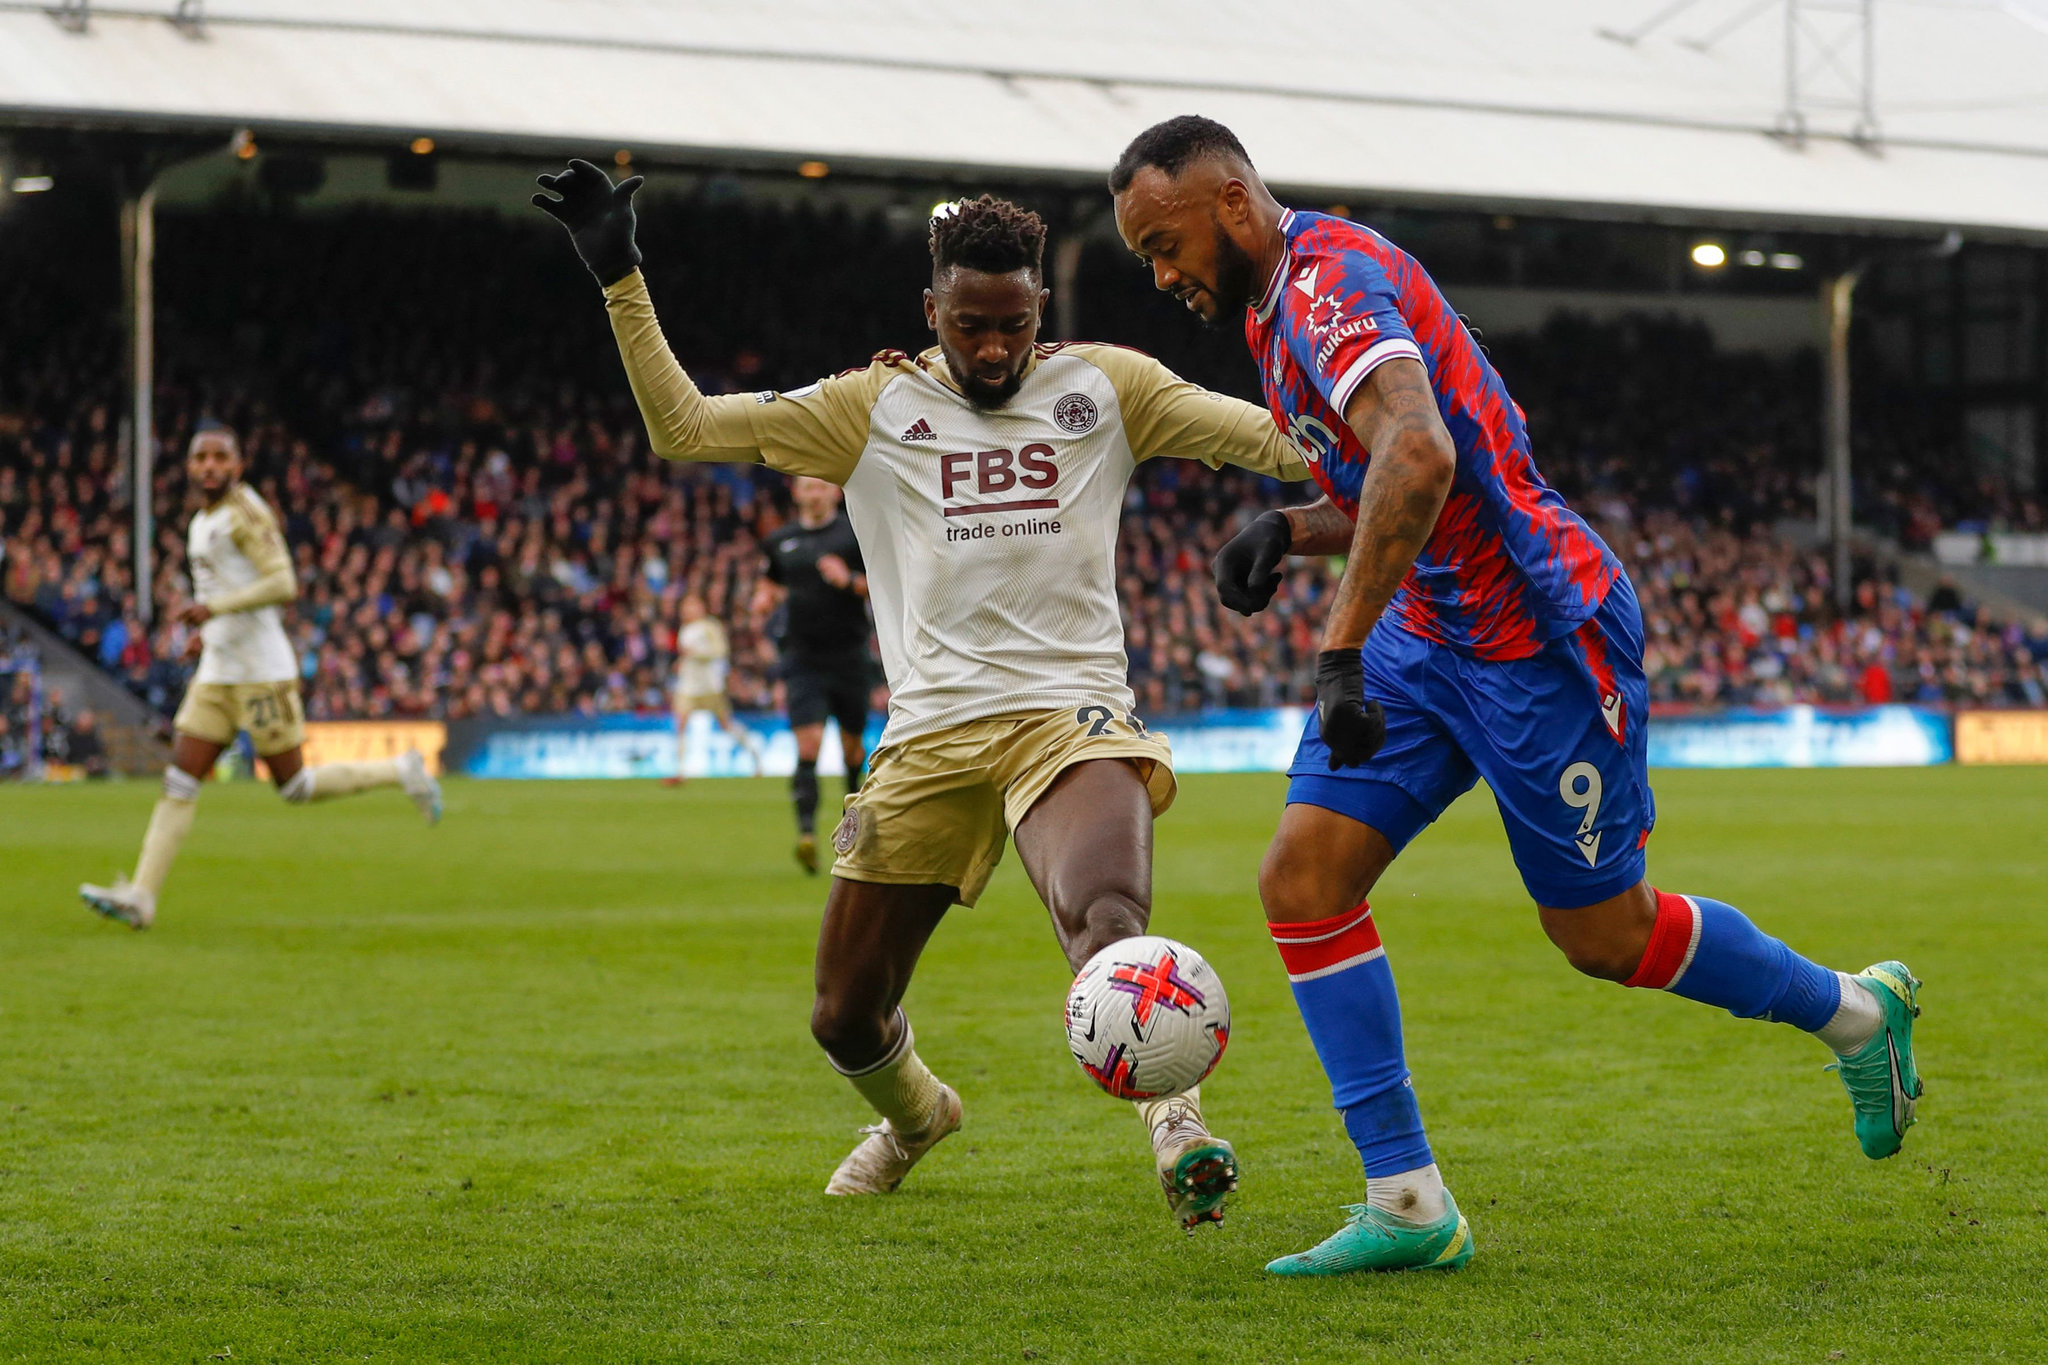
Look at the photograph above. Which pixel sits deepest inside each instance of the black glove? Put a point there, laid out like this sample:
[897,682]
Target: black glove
[1247,567]
[599,216]
[1353,727]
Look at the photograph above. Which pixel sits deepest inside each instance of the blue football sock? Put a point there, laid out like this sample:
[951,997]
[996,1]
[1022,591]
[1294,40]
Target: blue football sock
[1345,991]
[1708,951]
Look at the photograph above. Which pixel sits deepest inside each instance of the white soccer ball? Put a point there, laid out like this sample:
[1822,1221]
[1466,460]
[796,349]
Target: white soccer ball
[1147,1017]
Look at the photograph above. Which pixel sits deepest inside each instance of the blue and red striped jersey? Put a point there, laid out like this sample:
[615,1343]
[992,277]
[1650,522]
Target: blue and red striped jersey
[1509,565]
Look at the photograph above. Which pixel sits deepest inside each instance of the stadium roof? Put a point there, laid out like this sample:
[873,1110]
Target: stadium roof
[1494,102]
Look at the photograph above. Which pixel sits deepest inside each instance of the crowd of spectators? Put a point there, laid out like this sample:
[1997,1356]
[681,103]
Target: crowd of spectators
[37,729]
[479,528]
[21,707]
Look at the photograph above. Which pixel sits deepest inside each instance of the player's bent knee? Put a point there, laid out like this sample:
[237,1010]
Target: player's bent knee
[1110,918]
[851,1034]
[1600,961]
[1295,889]
[1607,940]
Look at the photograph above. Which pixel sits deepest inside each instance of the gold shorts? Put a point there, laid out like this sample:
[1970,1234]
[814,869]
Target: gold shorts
[270,712]
[937,809]
[717,703]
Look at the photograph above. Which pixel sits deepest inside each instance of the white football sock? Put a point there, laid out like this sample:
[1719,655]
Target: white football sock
[1171,1116]
[169,823]
[1856,1020]
[901,1087]
[331,780]
[1415,1196]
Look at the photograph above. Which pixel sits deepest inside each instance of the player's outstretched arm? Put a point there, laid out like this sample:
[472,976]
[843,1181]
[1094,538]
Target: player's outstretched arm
[682,424]
[819,430]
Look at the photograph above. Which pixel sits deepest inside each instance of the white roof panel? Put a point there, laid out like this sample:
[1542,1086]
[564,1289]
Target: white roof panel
[1490,101]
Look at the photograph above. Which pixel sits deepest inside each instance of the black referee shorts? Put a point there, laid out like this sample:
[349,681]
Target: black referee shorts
[816,689]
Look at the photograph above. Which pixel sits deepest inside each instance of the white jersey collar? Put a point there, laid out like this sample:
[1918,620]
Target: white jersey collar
[1271,298]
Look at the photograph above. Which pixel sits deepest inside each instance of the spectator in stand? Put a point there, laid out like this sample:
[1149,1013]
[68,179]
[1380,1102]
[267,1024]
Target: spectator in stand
[82,745]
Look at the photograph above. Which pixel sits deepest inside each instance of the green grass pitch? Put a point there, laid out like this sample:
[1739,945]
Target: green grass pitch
[537,1085]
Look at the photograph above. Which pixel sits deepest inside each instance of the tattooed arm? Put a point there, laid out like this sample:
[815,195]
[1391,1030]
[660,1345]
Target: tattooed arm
[1319,528]
[1394,416]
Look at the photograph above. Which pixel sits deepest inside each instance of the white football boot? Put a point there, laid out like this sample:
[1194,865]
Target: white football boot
[1197,1169]
[885,1156]
[420,784]
[131,905]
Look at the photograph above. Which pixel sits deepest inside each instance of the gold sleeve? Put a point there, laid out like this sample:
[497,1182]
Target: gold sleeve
[254,529]
[819,430]
[1166,416]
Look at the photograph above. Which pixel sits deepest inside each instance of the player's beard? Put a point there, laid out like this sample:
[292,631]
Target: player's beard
[981,395]
[1236,286]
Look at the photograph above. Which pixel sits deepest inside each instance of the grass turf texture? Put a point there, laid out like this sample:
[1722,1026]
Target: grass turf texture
[537,1085]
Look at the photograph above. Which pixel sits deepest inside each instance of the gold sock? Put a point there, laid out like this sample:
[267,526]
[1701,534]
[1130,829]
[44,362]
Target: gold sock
[330,780]
[169,823]
[1170,1113]
[901,1087]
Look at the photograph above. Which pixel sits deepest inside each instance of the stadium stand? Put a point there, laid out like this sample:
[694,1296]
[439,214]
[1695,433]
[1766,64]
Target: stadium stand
[479,530]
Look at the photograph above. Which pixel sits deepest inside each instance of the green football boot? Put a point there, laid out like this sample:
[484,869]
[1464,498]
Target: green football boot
[1880,1076]
[1372,1240]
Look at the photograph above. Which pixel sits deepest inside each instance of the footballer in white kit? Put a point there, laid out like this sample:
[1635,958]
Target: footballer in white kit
[703,662]
[247,680]
[985,480]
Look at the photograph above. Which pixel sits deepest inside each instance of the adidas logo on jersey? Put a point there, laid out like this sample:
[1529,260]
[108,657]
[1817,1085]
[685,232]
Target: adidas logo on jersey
[920,430]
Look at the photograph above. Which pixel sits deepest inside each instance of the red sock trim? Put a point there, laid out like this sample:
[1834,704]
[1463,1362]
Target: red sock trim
[1322,947]
[1672,940]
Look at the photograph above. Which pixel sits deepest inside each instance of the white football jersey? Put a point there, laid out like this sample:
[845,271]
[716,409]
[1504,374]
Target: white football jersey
[706,655]
[989,534]
[229,546]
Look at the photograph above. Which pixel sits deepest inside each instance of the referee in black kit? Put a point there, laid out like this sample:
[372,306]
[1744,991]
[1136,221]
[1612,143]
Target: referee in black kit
[815,568]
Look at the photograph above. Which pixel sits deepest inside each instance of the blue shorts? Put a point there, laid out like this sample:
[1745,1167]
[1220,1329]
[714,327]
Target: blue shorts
[1561,737]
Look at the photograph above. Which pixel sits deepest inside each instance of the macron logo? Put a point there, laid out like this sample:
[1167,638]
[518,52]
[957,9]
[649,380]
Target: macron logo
[920,430]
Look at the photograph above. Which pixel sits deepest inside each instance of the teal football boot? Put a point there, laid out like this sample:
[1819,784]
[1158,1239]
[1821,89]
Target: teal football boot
[1373,1240]
[1882,1081]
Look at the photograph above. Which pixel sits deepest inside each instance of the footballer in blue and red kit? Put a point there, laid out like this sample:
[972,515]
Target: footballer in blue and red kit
[1513,647]
[1481,629]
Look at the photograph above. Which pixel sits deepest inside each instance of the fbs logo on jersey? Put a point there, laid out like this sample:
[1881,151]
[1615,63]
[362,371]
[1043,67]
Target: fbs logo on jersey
[920,430]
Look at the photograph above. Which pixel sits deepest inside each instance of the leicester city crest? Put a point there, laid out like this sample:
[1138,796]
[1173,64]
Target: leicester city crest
[1075,414]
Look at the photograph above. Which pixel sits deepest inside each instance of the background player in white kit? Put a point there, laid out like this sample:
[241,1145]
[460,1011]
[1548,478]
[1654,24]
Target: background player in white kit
[703,661]
[248,679]
[985,482]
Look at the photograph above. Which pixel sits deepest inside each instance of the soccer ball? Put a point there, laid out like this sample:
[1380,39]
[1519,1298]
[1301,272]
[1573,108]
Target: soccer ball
[1147,1017]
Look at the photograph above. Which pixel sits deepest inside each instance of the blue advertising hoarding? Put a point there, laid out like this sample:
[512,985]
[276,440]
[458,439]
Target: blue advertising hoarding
[644,746]
[1803,737]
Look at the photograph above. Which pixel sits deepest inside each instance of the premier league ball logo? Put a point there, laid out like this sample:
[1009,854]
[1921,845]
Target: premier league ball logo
[1075,414]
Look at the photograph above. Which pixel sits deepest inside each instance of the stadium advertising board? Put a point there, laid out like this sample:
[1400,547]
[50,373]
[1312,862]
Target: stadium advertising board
[1235,741]
[2002,737]
[352,741]
[1803,737]
[644,746]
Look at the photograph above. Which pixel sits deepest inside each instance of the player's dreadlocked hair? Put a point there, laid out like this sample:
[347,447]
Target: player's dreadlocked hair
[988,234]
[1173,146]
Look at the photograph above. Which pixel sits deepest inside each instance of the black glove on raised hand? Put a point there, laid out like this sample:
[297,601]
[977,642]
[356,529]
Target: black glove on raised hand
[599,216]
[1247,567]
[1353,727]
